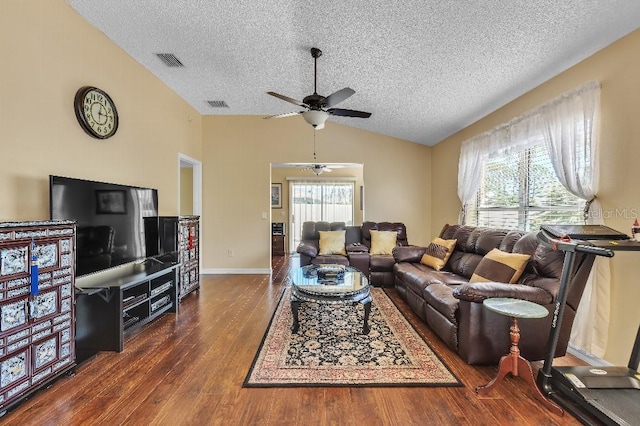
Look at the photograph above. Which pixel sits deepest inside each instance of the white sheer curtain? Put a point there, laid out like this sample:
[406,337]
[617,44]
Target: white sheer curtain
[571,130]
[517,135]
[569,126]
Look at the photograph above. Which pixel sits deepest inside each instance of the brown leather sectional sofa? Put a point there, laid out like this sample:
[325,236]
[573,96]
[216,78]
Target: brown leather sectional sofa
[378,268]
[453,309]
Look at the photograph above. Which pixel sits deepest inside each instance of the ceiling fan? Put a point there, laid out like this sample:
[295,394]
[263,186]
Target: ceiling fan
[319,108]
[318,169]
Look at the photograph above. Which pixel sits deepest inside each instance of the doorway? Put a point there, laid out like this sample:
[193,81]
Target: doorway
[189,186]
[190,192]
[296,207]
[320,200]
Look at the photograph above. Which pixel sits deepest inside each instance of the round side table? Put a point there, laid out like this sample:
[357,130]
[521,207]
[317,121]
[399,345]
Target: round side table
[513,362]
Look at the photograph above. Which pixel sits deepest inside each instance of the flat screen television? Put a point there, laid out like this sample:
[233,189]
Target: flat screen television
[109,217]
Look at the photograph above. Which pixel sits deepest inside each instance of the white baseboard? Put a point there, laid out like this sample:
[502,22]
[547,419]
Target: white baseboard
[587,357]
[231,271]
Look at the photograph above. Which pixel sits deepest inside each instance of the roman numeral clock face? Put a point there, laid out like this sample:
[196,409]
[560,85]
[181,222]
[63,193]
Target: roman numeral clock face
[96,112]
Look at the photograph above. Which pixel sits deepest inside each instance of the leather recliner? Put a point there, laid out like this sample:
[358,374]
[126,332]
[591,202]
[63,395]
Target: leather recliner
[378,268]
[452,306]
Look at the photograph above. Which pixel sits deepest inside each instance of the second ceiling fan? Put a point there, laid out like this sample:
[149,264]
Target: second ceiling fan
[318,108]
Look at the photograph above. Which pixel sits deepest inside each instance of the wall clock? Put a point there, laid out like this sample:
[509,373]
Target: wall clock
[96,112]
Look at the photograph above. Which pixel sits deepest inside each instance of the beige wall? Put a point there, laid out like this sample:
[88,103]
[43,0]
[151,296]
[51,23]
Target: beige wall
[618,69]
[237,156]
[48,53]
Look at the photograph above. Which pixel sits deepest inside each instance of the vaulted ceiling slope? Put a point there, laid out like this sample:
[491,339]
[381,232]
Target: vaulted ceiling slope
[424,68]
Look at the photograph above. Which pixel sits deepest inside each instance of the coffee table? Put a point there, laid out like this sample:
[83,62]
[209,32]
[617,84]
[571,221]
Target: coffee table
[328,284]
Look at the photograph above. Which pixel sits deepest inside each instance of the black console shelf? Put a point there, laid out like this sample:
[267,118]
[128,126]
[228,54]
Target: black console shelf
[114,304]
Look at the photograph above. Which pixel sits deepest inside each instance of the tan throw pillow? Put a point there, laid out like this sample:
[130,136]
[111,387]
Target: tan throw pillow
[383,242]
[438,252]
[332,242]
[500,266]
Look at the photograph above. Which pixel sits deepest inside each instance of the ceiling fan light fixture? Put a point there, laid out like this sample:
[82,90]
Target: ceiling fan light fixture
[315,117]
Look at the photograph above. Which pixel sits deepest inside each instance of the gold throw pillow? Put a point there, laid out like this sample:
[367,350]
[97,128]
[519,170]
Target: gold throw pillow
[500,266]
[383,242]
[438,253]
[332,242]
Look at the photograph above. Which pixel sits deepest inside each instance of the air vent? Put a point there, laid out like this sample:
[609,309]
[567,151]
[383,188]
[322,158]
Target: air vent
[218,104]
[170,60]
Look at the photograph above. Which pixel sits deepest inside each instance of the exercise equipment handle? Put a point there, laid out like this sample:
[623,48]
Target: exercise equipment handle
[572,246]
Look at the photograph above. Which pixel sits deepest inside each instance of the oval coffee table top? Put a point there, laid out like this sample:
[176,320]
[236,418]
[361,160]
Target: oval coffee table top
[329,280]
[517,308]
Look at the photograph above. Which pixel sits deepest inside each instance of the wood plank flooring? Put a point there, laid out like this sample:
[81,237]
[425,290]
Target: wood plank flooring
[188,369]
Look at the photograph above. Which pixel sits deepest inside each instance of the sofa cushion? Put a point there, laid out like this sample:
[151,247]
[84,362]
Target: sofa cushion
[488,239]
[440,297]
[408,253]
[462,263]
[545,261]
[437,253]
[383,242]
[396,227]
[500,266]
[335,259]
[307,248]
[415,276]
[448,230]
[332,242]
[381,263]
[509,240]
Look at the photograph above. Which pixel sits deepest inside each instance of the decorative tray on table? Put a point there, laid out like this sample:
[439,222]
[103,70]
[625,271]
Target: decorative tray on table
[330,274]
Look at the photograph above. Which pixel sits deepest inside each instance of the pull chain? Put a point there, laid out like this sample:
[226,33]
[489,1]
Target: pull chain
[314,144]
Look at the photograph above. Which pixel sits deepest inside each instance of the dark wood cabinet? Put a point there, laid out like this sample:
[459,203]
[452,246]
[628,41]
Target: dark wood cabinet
[277,245]
[114,304]
[189,254]
[37,306]
[179,236]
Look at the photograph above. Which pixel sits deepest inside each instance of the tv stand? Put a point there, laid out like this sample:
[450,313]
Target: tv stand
[153,259]
[113,304]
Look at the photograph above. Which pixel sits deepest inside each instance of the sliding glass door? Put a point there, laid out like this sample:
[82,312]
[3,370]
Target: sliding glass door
[330,201]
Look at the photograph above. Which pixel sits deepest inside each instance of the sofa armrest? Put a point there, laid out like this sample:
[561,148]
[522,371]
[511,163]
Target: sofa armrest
[477,292]
[412,254]
[357,248]
[307,248]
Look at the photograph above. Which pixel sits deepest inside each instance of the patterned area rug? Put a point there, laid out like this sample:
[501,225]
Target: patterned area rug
[330,349]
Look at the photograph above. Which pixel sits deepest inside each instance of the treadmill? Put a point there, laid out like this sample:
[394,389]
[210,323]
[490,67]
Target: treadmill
[594,395]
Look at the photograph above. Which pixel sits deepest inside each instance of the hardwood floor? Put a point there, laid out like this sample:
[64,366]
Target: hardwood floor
[188,369]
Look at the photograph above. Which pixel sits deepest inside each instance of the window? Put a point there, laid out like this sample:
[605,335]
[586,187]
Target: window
[521,191]
[330,201]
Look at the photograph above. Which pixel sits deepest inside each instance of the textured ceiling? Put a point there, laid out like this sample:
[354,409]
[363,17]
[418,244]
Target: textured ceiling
[424,68]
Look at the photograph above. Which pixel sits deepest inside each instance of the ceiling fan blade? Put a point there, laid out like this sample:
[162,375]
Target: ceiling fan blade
[288,99]
[326,169]
[286,114]
[339,96]
[348,113]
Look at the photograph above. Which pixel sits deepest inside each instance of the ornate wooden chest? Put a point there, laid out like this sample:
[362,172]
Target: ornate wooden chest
[37,306]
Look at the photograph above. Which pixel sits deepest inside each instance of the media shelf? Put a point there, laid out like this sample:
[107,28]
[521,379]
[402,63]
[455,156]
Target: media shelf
[114,304]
